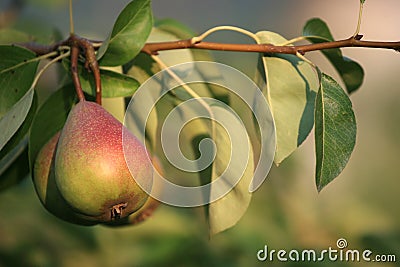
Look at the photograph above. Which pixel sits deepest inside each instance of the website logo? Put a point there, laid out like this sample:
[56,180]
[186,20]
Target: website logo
[340,253]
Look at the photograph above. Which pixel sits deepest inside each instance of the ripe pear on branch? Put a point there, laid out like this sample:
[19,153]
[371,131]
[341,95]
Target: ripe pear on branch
[91,170]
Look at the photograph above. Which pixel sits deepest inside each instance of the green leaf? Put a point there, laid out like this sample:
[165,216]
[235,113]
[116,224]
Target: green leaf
[129,34]
[350,71]
[16,96]
[234,159]
[19,137]
[14,118]
[335,131]
[50,119]
[291,87]
[16,75]
[14,164]
[113,84]
[362,1]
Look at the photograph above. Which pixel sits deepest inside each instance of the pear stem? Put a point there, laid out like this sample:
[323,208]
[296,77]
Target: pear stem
[71,18]
[77,44]
[74,71]
[92,64]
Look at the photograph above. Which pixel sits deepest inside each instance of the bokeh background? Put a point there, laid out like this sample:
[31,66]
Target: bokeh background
[361,205]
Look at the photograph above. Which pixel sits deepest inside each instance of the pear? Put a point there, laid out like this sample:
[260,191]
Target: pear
[91,168]
[147,210]
[45,185]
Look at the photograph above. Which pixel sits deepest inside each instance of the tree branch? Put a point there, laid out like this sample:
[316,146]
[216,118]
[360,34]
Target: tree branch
[154,48]
[77,43]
